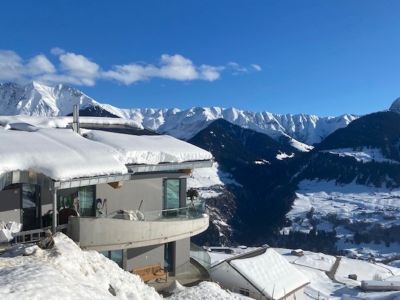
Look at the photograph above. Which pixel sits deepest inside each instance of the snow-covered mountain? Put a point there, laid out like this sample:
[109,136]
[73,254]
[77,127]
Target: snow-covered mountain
[37,99]
[44,100]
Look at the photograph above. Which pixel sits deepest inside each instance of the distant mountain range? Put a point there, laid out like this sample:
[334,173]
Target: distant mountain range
[43,100]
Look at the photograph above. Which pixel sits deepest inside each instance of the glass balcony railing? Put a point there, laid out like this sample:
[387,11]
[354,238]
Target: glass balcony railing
[193,210]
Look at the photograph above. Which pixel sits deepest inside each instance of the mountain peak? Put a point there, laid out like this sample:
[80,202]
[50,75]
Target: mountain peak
[395,105]
[40,99]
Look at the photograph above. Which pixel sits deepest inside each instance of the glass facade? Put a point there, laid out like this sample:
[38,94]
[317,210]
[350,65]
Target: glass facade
[31,212]
[116,256]
[169,257]
[86,196]
[171,193]
[80,199]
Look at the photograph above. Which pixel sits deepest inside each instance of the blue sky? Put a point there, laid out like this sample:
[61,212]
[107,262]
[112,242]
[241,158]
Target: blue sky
[320,57]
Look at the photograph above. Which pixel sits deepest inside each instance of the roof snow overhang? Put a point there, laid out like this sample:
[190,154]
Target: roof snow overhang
[135,171]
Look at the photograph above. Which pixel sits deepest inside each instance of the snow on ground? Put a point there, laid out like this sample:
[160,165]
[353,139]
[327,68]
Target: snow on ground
[362,155]
[300,146]
[206,178]
[316,267]
[205,291]
[283,155]
[67,272]
[153,149]
[333,206]
[363,269]
[262,162]
[350,201]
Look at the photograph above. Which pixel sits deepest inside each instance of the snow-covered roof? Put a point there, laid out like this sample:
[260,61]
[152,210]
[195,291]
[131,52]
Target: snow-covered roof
[149,149]
[62,154]
[64,122]
[270,273]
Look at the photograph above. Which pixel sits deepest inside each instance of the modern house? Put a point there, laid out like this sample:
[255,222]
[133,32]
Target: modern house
[116,189]
[260,273]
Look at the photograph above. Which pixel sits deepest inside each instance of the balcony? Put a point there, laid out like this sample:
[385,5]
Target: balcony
[131,229]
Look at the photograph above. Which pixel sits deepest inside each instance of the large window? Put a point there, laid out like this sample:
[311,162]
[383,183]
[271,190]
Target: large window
[80,199]
[87,201]
[169,257]
[31,212]
[116,256]
[171,193]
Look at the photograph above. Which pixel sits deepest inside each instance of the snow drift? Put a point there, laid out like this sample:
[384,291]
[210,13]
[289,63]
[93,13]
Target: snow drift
[67,272]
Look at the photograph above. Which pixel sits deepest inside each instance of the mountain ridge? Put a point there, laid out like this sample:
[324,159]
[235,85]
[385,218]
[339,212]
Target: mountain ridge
[44,100]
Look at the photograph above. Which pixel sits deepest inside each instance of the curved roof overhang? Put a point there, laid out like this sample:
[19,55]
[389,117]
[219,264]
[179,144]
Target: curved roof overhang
[31,177]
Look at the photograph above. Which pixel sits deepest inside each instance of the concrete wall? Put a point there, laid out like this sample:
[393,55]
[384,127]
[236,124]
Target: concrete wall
[131,193]
[10,205]
[145,256]
[129,196]
[182,255]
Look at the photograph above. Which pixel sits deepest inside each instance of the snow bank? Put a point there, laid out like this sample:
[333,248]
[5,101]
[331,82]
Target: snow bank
[149,149]
[270,273]
[67,272]
[204,291]
[60,154]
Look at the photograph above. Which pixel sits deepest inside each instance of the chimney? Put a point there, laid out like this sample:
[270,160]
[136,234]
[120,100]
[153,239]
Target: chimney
[75,119]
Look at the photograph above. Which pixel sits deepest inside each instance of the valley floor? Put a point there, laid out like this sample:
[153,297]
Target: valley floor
[363,219]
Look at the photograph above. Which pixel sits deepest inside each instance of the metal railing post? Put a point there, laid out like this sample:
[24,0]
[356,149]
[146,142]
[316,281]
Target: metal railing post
[54,223]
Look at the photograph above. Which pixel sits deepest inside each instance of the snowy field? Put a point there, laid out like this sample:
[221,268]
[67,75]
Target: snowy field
[332,204]
[328,281]
[206,179]
[67,272]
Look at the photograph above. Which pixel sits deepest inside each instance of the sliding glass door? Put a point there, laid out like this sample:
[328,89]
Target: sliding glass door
[171,193]
[31,212]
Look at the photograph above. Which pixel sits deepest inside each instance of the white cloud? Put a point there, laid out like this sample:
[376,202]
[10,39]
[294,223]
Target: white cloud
[256,67]
[57,51]
[39,65]
[210,73]
[11,65]
[173,67]
[236,68]
[77,69]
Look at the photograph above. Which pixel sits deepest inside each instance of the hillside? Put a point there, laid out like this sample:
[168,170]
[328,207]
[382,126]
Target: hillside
[349,189]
